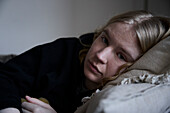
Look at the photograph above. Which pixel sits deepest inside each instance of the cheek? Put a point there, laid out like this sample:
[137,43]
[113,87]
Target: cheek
[89,54]
[97,45]
[113,68]
[93,50]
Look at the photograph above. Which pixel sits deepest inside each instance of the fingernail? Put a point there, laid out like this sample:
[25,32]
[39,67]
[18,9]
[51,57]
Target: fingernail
[27,96]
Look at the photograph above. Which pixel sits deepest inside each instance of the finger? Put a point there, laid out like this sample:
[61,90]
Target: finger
[29,106]
[38,102]
[25,111]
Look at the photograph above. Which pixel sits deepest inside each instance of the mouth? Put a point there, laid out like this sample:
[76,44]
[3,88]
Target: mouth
[94,69]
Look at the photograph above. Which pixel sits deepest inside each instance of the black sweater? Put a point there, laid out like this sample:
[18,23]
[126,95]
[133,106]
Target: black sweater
[52,71]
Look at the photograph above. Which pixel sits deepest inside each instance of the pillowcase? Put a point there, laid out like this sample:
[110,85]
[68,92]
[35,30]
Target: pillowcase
[131,98]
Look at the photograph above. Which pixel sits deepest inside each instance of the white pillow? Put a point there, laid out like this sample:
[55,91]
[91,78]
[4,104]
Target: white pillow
[131,98]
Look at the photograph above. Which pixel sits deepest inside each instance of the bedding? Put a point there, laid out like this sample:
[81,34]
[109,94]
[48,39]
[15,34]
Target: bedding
[4,58]
[144,88]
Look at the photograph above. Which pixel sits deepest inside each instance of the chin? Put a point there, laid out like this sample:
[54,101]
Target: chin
[93,78]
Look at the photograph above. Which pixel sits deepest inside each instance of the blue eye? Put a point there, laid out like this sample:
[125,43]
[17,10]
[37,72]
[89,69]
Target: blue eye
[105,40]
[121,56]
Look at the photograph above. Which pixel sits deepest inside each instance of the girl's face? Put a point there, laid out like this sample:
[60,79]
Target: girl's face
[115,46]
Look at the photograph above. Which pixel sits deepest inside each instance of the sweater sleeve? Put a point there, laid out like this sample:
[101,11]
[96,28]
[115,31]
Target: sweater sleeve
[18,76]
[27,74]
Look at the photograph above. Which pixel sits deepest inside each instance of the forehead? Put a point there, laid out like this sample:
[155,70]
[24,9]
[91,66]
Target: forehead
[122,30]
[123,36]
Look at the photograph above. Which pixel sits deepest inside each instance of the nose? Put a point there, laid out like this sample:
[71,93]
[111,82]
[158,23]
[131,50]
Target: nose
[103,55]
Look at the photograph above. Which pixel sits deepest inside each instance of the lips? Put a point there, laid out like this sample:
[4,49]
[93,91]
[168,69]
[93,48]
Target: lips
[94,68]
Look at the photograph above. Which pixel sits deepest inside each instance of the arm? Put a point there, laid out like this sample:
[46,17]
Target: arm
[17,77]
[28,73]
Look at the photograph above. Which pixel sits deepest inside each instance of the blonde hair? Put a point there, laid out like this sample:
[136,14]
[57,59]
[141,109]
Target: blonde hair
[149,29]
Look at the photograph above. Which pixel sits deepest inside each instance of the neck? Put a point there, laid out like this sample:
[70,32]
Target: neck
[91,85]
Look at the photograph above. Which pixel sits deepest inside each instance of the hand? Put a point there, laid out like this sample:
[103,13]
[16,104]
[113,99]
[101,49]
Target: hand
[36,106]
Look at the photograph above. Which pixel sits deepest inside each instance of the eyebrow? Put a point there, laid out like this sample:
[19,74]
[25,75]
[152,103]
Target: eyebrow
[122,49]
[106,32]
[126,52]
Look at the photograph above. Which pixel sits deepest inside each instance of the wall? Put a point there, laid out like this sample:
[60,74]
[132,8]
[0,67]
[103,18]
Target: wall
[91,14]
[160,7]
[27,23]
